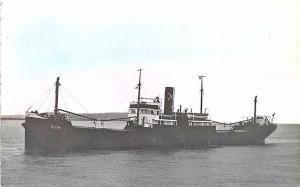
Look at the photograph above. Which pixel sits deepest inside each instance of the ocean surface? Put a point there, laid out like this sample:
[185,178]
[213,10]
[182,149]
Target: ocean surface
[275,164]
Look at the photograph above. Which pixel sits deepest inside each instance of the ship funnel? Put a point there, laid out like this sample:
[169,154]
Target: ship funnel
[169,100]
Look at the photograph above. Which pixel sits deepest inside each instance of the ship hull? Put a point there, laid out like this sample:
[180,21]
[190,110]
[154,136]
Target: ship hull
[60,135]
[251,135]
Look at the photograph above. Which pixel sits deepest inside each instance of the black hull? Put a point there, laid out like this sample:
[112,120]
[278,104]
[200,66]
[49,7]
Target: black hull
[250,135]
[60,135]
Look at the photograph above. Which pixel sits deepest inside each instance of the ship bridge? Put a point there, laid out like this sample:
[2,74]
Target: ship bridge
[149,108]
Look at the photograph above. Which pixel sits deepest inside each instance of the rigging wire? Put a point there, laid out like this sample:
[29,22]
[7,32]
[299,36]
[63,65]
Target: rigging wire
[64,101]
[82,107]
[117,105]
[51,103]
[92,114]
[63,93]
[129,95]
[46,97]
[42,95]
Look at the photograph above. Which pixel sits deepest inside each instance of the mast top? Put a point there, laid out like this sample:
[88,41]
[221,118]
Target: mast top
[201,76]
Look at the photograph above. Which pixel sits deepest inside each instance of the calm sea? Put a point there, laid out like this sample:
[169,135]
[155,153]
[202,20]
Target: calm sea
[275,164]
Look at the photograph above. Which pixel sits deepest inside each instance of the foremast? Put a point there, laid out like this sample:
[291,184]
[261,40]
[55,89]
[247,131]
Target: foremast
[57,84]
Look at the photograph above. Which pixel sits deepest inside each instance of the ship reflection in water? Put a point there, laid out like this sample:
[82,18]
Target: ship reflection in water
[147,126]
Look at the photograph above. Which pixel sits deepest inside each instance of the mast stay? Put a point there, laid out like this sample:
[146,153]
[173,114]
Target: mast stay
[56,109]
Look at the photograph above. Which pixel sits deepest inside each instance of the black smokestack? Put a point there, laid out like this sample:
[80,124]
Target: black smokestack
[169,100]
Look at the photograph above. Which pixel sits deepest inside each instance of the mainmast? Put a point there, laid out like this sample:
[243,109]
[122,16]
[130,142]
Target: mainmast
[139,97]
[57,84]
[201,92]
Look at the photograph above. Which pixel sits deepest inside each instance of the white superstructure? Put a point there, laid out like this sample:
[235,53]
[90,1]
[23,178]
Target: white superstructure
[149,111]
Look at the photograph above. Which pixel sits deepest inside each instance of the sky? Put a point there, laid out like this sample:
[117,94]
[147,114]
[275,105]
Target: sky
[245,48]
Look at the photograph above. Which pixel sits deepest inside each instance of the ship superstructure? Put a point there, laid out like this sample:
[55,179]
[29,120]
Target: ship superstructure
[254,130]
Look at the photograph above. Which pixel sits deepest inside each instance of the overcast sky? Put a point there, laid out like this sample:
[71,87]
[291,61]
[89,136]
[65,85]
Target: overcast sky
[245,48]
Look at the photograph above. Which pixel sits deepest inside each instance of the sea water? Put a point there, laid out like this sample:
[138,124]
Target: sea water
[275,164]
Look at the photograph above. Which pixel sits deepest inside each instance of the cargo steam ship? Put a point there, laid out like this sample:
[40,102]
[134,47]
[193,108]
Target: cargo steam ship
[147,126]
